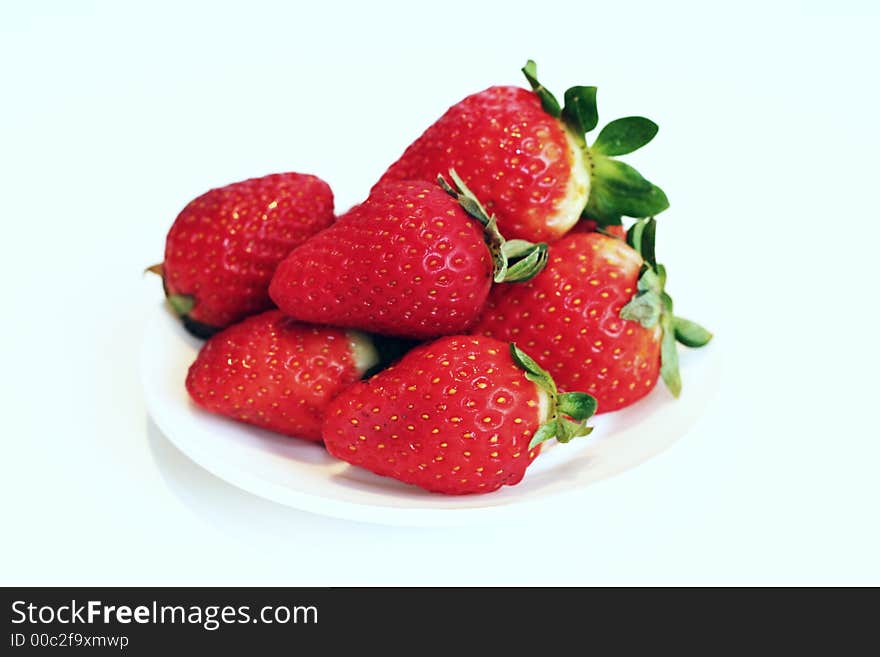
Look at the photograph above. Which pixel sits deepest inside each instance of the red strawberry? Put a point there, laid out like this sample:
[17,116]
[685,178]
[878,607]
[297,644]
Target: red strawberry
[598,317]
[277,374]
[409,262]
[224,246]
[463,414]
[529,161]
[591,226]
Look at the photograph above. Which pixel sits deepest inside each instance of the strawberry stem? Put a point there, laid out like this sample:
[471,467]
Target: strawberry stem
[569,412]
[514,261]
[548,100]
[651,305]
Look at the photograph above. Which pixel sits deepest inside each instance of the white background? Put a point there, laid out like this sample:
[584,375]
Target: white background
[114,115]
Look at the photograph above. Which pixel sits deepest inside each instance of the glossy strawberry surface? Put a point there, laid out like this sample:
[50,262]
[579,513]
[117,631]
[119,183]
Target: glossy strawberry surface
[453,416]
[568,319]
[224,246]
[407,262]
[273,372]
[514,156]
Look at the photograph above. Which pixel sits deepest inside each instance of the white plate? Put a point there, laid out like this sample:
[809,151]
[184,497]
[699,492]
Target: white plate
[303,475]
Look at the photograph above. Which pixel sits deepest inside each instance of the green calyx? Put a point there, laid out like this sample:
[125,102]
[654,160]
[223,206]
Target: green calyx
[569,411]
[651,305]
[182,305]
[616,189]
[514,261]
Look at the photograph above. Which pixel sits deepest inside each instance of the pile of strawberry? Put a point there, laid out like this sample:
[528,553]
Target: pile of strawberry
[483,299]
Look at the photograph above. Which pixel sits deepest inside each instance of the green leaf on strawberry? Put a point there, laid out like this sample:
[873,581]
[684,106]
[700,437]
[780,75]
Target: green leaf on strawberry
[534,372]
[669,371]
[182,304]
[577,405]
[580,112]
[568,413]
[548,100]
[641,236]
[652,304]
[616,189]
[644,308]
[515,261]
[625,135]
[690,333]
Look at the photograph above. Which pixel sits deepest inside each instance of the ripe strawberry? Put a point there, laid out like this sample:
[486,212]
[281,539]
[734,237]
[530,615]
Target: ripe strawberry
[529,161]
[592,226]
[224,246]
[409,262]
[276,373]
[463,414]
[598,317]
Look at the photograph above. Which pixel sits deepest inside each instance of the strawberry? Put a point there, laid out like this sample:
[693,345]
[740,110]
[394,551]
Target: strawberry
[224,246]
[528,159]
[463,414]
[592,226]
[410,261]
[598,317]
[278,374]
